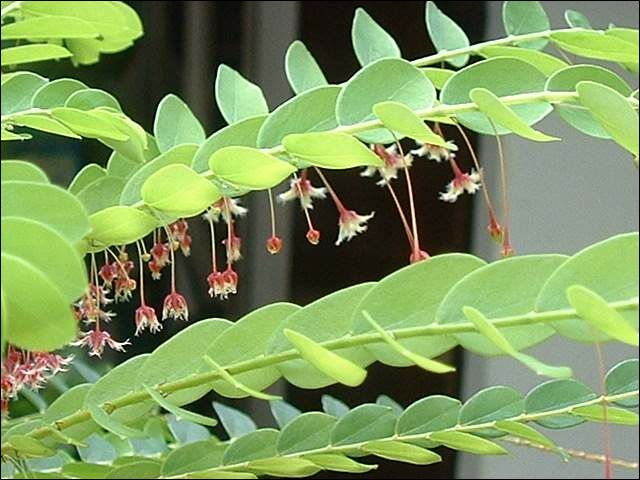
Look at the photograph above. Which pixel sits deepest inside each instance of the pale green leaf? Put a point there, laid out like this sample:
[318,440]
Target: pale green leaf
[249,168]
[38,52]
[370,41]
[303,72]
[237,97]
[445,34]
[520,18]
[120,225]
[330,150]
[176,124]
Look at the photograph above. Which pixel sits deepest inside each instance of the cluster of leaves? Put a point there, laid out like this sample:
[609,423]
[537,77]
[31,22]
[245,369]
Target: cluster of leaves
[179,446]
[422,311]
[407,318]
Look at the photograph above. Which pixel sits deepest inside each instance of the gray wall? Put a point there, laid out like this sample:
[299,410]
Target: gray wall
[564,196]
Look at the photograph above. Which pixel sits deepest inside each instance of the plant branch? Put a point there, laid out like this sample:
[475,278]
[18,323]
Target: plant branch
[433,329]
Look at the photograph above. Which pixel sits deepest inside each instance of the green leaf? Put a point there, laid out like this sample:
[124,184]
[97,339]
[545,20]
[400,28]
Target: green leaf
[252,446]
[409,298]
[339,463]
[574,113]
[612,110]
[370,41]
[56,92]
[402,452]
[284,467]
[502,76]
[623,378]
[601,413]
[39,315]
[390,402]
[67,404]
[520,18]
[525,432]
[88,124]
[43,123]
[576,19]
[107,422]
[592,44]
[424,363]
[243,133]
[597,312]
[437,76]
[101,194]
[227,377]
[49,251]
[120,225]
[556,395]
[185,432]
[430,414]
[303,72]
[544,62]
[445,34]
[177,411]
[142,469]
[466,442]
[329,363]
[608,268]
[62,211]
[46,28]
[181,154]
[119,166]
[226,474]
[333,406]
[181,356]
[86,176]
[363,424]
[22,171]
[230,347]
[4,320]
[628,35]
[249,168]
[90,98]
[330,150]
[237,97]
[491,404]
[235,423]
[489,330]
[515,283]
[387,79]
[309,431]
[193,457]
[18,90]
[404,121]
[175,124]
[98,450]
[311,111]
[86,470]
[38,52]
[178,190]
[283,412]
[29,447]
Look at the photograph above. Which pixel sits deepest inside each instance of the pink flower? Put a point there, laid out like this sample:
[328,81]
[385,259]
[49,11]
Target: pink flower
[469,182]
[433,152]
[274,244]
[351,224]
[96,340]
[216,285]
[108,272]
[146,317]
[393,161]
[124,288]
[160,254]
[180,234]
[230,278]
[233,248]
[175,306]
[301,188]
[219,210]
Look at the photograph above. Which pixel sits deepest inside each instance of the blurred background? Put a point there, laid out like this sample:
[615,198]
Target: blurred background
[564,196]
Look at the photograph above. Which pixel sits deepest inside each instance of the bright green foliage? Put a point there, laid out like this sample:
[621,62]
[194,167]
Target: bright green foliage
[370,41]
[237,97]
[175,124]
[525,17]
[446,34]
[303,72]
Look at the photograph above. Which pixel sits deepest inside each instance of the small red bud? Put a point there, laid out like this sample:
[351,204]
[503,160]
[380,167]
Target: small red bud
[274,244]
[313,236]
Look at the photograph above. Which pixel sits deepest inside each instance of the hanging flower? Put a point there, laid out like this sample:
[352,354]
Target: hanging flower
[313,236]
[274,244]
[146,317]
[175,306]
[219,210]
[469,182]
[160,254]
[393,161]
[230,279]
[216,285]
[433,152]
[301,188]
[124,288]
[351,224]
[96,340]
[233,248]
[180,236]
[108,273]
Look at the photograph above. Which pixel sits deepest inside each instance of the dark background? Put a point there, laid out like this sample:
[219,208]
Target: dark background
[184,43]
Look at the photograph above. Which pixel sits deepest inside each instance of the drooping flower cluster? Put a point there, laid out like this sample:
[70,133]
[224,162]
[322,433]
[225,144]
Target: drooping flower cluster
[23,369]
[393,161]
